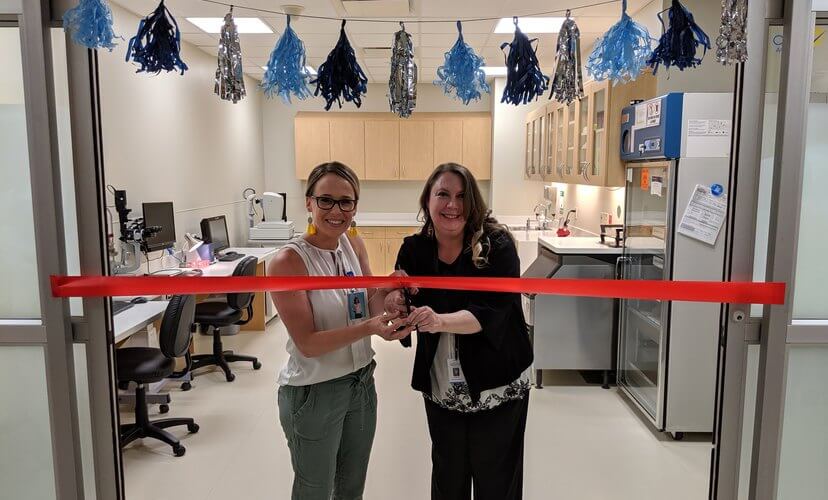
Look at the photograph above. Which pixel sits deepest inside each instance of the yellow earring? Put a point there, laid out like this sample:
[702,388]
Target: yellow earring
[311,230]
[352,231]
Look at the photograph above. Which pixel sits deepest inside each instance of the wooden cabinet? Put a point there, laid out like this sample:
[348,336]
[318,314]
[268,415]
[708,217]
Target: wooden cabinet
[416,149]
[347,143]
[477,145]
[383,244]
[382,151]
[312,143]
[535,143]
[581,142]
[382,146]
[448,141]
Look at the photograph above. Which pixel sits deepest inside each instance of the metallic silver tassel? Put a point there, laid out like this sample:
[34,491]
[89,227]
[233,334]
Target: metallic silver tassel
[229,74]
[402,86]
[731,44]
[568,80]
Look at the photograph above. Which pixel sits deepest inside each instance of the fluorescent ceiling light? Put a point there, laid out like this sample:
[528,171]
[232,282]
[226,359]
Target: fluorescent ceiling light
[243,24]
[310,69]
[530,24]
[494,70]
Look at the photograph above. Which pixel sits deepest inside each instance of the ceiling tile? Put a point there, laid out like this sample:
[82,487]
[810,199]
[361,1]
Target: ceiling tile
[451,28]
[371,39]
[200,38]
[448,40]
[258,40]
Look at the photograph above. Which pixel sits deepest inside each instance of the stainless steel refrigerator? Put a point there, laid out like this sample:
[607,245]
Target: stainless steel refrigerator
[676,148]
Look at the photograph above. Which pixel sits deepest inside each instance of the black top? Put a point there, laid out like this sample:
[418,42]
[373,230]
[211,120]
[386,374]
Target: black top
[501,351]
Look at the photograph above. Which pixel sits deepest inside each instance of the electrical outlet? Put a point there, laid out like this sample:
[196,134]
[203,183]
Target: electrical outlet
[605,218]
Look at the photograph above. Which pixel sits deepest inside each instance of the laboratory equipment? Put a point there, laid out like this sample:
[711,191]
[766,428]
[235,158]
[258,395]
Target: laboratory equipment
[674,145]
[273,224]
[133,235]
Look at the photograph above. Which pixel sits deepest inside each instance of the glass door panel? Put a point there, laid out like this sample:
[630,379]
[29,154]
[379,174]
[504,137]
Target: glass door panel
[598,131]
[643,321]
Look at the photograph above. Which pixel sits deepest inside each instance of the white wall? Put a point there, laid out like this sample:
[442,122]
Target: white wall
[376,196]
[511,193]
[170,138]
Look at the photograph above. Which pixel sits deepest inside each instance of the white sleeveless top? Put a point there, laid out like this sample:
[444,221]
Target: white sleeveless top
[330,311]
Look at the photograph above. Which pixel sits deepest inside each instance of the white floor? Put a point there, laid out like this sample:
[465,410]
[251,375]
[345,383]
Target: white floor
[582,442]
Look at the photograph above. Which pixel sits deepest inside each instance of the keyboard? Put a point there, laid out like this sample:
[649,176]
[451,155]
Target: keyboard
[230,257]
[120,305]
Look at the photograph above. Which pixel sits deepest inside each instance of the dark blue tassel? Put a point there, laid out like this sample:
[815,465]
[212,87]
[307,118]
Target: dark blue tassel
[623,51]
[340,76]
[90,24]
[524,80]
[679,42]
[286,73]
[157,44]
[461,73]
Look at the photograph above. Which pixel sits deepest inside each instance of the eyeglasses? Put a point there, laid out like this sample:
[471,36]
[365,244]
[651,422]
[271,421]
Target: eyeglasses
[325,203]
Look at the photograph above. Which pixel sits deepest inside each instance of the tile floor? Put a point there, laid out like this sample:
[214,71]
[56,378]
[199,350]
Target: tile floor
[582,442]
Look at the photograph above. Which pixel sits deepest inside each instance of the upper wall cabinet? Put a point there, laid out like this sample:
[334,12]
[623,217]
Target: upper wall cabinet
[581,143]
[382,146]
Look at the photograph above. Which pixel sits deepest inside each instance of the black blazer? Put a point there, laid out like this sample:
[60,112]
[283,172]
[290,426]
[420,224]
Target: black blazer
[499,353]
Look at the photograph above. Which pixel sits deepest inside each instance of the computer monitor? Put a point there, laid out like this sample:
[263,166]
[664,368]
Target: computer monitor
[214,230]
[160,214]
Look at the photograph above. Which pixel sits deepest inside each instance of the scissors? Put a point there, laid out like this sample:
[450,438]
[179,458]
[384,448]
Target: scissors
[407,297]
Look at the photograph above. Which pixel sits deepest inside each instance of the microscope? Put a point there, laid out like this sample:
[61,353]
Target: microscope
[132,240]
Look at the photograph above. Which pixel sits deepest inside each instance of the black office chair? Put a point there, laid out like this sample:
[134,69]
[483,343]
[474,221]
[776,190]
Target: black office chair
[145,365]
[219,313]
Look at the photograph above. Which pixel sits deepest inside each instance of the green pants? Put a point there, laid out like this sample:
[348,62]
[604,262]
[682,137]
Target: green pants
[330,429]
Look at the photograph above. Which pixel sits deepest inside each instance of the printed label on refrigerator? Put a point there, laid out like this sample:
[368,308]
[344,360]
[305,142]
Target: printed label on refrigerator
[704,215]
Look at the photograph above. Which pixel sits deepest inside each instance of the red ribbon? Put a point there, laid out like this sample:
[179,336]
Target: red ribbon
[693,291]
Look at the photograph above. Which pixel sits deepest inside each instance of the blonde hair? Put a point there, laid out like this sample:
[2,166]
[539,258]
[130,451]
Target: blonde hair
[479,221]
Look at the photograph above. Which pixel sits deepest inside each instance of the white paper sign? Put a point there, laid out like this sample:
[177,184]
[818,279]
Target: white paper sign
[653,113]
[655,186]
[708,128]
[640,116]
[707,139]
[704,216]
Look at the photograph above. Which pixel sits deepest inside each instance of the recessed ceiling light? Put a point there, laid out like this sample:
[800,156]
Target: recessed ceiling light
[494,70]
[530,24]
[310,69]
[243,24]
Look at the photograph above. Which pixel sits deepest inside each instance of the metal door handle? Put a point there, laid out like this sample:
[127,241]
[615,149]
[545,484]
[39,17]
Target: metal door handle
[619,261]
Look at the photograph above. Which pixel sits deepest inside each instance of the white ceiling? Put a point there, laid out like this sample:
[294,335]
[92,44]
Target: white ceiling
[431,40]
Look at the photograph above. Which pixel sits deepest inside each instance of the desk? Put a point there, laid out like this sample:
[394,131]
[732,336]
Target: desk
[136,318]
[263,308]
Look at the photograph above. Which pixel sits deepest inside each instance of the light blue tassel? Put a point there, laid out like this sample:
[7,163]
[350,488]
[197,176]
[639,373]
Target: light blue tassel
[622,53]
[90,24]
[461,73]
[286,73]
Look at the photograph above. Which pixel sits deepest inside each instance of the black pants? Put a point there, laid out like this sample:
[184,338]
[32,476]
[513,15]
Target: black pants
[484,449]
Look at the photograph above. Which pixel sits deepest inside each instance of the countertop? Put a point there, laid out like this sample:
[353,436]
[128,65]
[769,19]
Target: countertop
[572,245]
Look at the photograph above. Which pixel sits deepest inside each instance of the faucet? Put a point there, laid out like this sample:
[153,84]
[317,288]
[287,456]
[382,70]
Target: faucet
[541,208]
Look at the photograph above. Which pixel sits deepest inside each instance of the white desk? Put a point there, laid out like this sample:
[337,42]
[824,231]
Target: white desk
[227,268]
[136,318]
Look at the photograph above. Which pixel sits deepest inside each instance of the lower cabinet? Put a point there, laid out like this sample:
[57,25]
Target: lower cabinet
[383,244]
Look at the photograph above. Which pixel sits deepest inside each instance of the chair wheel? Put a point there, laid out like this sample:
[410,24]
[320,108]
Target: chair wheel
[179,450]
[193,428]
[231,377]
[256,365]
[186,386]
[164,408]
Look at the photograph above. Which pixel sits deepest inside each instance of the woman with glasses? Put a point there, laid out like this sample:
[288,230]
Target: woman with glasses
[473,351]
[327,400]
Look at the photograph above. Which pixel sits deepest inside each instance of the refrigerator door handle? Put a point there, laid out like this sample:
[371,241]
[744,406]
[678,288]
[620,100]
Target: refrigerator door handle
[618,262]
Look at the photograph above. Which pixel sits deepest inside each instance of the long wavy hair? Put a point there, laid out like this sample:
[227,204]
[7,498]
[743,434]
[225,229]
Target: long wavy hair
[479,221]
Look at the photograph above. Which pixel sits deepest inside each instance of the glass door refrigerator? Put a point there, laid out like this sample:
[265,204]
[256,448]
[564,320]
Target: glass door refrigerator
[668,351]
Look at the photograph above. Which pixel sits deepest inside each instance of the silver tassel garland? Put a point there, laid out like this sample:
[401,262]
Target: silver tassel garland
[731,44]
[229,74]
[402,86]
[568,80]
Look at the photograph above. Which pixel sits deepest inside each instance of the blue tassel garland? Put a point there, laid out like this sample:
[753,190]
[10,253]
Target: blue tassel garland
[524,80]
[622,53]
[679,42]
[90,24]
[157,44]
[461,73]
[286,73]
[340,76]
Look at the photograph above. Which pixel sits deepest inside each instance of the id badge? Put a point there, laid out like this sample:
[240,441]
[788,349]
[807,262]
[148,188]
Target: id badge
[357,306]
[455,372]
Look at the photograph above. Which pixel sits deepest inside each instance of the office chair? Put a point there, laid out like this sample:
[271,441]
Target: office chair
[145,365]
[221,313]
